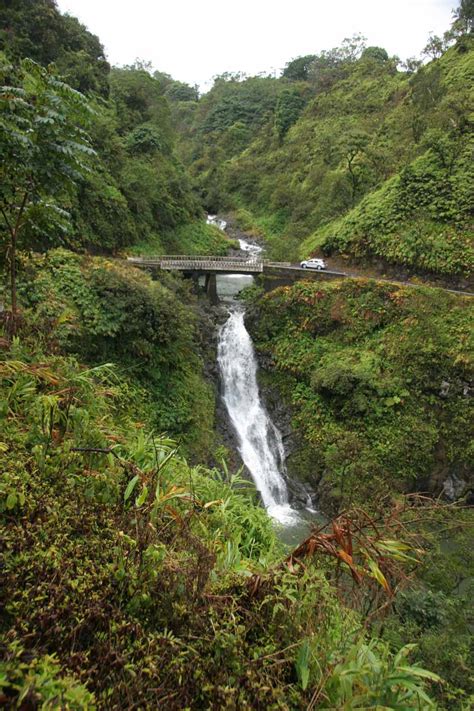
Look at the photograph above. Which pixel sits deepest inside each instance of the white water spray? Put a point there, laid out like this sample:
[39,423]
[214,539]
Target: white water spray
[214,220]
[260,443]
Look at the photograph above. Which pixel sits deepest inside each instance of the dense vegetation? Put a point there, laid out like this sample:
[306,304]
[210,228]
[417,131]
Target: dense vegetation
[134,189]
[132,579]
[103,312]
[378,380]
[137,570]
[347,152]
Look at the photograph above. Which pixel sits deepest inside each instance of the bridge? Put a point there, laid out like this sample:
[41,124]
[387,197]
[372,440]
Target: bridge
[196,266]
[202,265]
[209,266]
[228,265]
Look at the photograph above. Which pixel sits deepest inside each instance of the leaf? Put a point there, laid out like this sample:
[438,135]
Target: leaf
[11,500]
[143,496]
[175,492]
[419,671]
[217,502]
[349,561]
[396,549]
[130,487]
[302,664]
[404,652]
[378,575]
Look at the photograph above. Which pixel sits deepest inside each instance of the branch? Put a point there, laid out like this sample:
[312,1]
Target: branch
[22,207]
[97,450]
[6,221]
[128,466]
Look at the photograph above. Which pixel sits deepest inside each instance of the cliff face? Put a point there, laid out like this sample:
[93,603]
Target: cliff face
[371,385]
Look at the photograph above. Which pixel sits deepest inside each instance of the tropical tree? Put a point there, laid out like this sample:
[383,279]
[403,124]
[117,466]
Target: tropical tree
[465,15]
[39,31]
[298,69]
[379,54]
[44,153]
[288,109]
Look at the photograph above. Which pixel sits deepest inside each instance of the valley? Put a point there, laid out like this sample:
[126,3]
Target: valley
[229,481]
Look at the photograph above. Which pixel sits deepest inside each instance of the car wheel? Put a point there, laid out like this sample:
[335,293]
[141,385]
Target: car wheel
[304,266]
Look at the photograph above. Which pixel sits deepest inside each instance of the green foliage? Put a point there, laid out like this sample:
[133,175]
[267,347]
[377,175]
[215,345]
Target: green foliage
[138,189]
[379,54]
[110,313]
[223,125]
[364,369]
[101,215]
[38,31]
[298,69]
[198,238]
[231,101]
[287,111]
[190,238]
[44,148]
[41,682]
[152,181]
[304,163]
[117,552]
[465,13]
[435,613]
[132,578]
[44,152]
[371,677]
[360,158]
[362,365]
[139,100]
[421,218]
[179,91]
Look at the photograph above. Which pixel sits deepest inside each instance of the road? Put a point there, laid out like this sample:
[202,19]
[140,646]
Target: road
[365,274]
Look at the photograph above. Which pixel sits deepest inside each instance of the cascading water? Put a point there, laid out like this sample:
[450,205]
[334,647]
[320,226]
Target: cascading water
[214,220]
[260,443]
[251,249]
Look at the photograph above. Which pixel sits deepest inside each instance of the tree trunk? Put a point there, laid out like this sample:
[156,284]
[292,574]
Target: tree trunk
[13,277]
[14,238]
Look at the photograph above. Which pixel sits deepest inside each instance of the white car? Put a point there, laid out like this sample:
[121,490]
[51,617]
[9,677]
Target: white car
[313,264]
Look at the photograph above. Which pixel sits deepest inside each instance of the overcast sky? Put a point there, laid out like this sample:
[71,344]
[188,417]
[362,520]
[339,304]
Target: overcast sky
[193,40]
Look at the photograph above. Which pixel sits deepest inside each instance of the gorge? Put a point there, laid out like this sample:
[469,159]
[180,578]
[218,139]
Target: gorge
[162,451]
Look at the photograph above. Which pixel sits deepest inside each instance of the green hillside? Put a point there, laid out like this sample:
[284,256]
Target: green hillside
[362,367]
[135,190]
[375,378]
[139,567]
[132,578]
[349,153]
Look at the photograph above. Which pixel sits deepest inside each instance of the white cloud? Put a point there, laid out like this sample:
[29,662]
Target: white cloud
[194,41]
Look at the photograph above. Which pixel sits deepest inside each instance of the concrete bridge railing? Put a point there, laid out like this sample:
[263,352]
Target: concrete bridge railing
[196,263]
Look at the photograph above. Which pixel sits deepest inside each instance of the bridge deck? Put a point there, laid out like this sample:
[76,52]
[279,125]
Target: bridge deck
[254,265]
[184,263]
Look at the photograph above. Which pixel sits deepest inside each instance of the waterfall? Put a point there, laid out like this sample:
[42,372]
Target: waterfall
[260,443]
[214,220]
[251,249]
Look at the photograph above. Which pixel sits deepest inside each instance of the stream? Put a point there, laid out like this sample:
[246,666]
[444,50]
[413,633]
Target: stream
[260,443]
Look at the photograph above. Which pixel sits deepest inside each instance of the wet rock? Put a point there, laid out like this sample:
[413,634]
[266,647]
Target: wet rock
[453,488]
[460,387]
[444,389]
